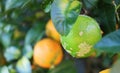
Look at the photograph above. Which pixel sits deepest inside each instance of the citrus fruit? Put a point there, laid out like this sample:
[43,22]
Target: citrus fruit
[84,34]
[47,53]
[51,31]
[105,71]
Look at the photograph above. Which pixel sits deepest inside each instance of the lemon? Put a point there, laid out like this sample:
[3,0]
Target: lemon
[84,34]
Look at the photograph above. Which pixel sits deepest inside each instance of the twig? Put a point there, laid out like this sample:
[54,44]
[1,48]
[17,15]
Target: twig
[117,15]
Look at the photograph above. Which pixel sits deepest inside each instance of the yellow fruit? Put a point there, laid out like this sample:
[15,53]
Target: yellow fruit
[47,53]
[105,71]
[51,31]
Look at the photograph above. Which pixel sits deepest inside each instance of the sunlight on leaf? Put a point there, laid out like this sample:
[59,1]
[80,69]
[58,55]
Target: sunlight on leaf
[4,69]
[23,66]
[12,53]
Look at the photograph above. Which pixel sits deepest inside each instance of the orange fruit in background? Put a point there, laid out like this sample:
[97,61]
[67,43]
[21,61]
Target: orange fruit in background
[105,71]
[47,53]
[51,31]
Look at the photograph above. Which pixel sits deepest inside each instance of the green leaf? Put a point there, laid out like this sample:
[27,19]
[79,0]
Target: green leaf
[35,33]
[0,7]
[108,1]
[1,25]
[4,69]
[6,39]
[89,4]
[1,28]
[12,53]
[110,43]
[6,34]
[27,51]
[105,15]
[64,13]
[8,28]
[12,69]
[66,66]
[116,67]
[117,2]
[10,4]
[23,66]
[48,8]
[45,3]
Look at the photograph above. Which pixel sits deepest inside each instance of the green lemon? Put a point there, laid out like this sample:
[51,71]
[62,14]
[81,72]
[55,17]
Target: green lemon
[84,34]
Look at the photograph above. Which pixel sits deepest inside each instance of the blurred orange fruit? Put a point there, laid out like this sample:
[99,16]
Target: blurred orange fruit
[105,71]
[47,53]
[51,31]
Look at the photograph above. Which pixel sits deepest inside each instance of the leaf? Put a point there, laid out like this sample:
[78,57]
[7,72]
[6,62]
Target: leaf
[6,34]
[48,8]
[10,4]
[66,66]
[27,51]
[44,3]
[117,2]
[1,25]
[23,66]
[6,39]
[108,1]
[110,43]
[35,33]
[12,53]
[1,28]
[89,4]
[64,13]
[4,69]
[12,69]
[8,28]
[116,67]
[105,15]
[0,7]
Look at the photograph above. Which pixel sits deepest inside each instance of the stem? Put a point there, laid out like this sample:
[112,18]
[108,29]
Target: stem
[118,7]
[117,15]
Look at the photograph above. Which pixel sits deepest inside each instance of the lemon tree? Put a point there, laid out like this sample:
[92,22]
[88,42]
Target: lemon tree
[23,23]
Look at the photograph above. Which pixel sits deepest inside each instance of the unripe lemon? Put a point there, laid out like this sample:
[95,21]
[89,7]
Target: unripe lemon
[84,34]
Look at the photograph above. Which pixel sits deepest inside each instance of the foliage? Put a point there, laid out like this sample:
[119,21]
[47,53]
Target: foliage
[62,11]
